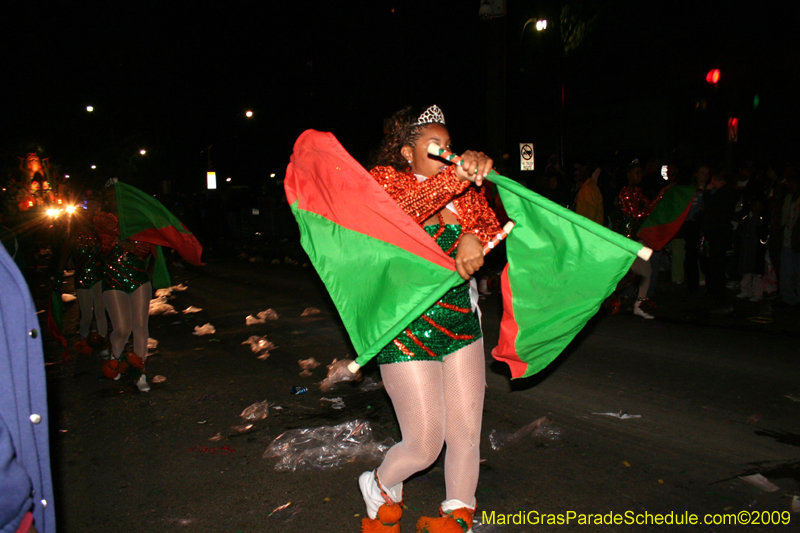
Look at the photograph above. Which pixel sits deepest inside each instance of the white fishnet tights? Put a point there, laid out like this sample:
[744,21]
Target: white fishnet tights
[438,403]
[129,313]
[92,300]
[645,270]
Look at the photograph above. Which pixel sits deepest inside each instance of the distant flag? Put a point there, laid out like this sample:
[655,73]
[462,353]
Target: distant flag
[668,216]
[143,218]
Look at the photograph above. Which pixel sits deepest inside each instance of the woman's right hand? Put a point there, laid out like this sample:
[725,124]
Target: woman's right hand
[474,167]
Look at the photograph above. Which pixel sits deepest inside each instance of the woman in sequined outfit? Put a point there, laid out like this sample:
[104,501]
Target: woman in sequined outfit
[126,283]
[434,371]
[83,246]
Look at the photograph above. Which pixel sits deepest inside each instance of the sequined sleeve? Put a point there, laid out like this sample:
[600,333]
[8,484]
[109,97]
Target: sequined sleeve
[633,203]
[476,216]
[420,200]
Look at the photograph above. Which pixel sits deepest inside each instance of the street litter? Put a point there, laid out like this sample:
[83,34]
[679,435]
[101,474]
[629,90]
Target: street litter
[257,411]
[260,345]
[755,418]
[192,309]
[757,480]
[311,311]
[216,438]
[336,403]
[242,429]
[541,427]
[268,314]
[337,373]
[205,329]
[285,512]
[159,306]
[163,293]
[370,384]
[326,447]
[179,287]
[152,344]
[308,364]
[66,297]
[222,450]
[159,379]
[792,397]
[796,504]
[298,390]
[620,415]
[256,259]
[250,320]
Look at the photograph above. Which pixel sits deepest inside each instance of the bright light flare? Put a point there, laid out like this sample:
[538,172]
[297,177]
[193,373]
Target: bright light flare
[93,167]
[248,114]
[272,175]
[52,212]
[541,25]
[227,179]
[70,209]
[713,76]
[89,108]
[142,151]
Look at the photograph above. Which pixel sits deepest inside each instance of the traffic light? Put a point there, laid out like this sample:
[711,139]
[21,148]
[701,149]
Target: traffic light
[713,76]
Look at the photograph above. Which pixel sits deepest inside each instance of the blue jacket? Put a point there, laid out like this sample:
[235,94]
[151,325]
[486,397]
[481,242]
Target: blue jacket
[25,483]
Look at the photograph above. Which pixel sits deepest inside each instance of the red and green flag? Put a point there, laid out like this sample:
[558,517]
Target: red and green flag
[561,266]
[383,271]
[143,218]
[668,216]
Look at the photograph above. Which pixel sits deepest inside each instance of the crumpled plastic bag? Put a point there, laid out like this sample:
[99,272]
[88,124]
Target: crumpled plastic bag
[178,287]
[257,411]
[66,297]
[310,311]
[326,447]
[307,365]
[205,329]
[337,373]
[192,309]
[158,379]
[152,344]
[541,427]
[159,306]
[163,293]
[260,346]
[370,384]
[261,317]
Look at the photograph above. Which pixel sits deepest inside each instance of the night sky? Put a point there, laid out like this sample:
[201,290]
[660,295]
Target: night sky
[177,78]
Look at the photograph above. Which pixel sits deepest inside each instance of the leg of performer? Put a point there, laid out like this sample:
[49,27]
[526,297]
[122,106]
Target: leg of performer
[99,309]
[118,305]
[140,317]
[417,395]
[85,304]
[464,389]
[643,269]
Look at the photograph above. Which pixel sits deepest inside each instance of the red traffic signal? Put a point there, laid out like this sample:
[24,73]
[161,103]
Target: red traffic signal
[713,76]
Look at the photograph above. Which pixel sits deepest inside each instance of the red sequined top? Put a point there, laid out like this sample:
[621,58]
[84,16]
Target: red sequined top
[107,227]
[634,203]
[421,200]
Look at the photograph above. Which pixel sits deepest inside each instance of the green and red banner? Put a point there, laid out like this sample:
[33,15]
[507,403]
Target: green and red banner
[668,216]
[382,270]
[143,218]
[561,266]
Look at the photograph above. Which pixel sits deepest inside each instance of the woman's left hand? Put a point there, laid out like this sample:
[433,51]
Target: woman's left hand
[469,256]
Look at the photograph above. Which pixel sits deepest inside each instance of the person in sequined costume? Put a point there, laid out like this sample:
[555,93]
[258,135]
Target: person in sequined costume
[127,289]
[635,208]
[434,371]
[83,245]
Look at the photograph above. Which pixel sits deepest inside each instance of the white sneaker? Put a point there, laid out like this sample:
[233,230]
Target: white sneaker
[142,384]
[638,311]
[105,354]
[372,494]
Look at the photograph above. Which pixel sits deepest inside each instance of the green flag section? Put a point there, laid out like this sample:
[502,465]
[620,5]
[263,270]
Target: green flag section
[561,266]
[143,218]
[381,269]
[668,216]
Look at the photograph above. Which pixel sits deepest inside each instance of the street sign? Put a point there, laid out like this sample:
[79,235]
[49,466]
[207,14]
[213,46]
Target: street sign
[526,156]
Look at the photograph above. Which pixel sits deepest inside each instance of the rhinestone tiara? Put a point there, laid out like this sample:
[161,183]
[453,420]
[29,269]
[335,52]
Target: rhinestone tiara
[431,115]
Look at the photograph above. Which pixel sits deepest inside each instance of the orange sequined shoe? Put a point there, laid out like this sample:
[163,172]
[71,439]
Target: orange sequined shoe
[384,506]
[82,347]
[456,517]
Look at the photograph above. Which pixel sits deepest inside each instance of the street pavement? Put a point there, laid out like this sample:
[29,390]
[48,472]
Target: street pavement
[711,398]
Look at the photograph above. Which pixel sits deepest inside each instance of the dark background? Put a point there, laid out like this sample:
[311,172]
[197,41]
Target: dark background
[176,78]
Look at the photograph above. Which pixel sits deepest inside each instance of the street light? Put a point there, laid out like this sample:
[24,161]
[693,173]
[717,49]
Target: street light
[89,108]
[541,25]
[94,167]
[248,114]
[142,151]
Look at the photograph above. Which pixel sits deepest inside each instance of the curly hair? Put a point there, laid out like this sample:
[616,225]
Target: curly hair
[400,130]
